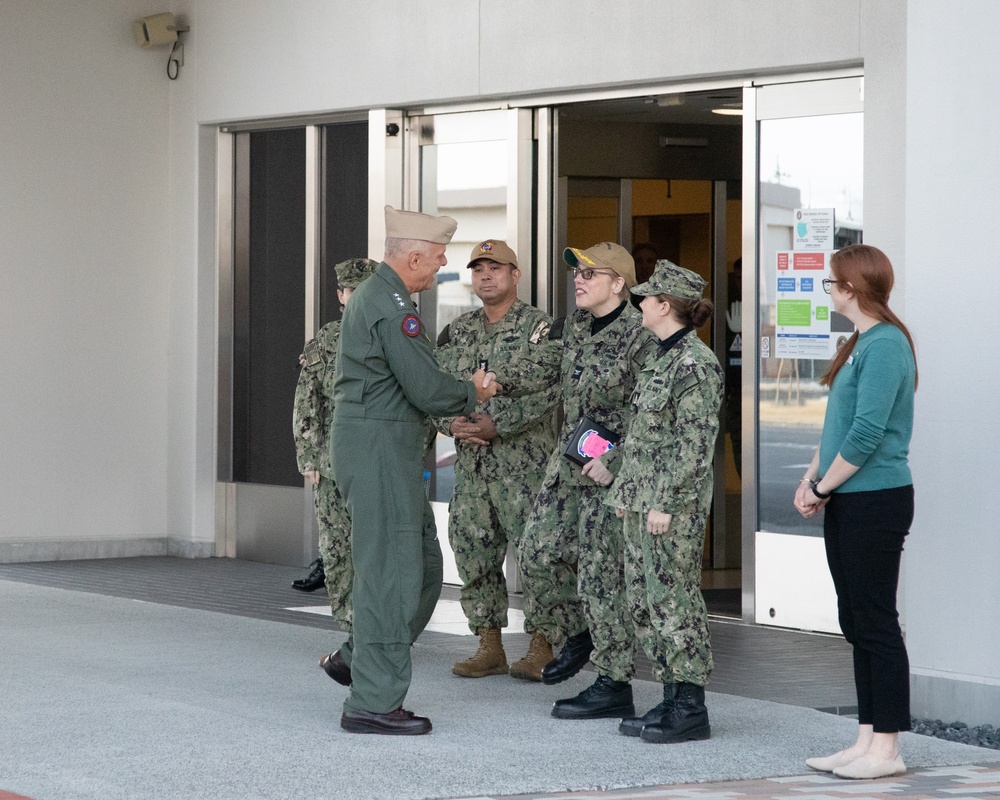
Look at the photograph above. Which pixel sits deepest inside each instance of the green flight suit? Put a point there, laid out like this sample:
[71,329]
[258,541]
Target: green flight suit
[667,465]
[387,382]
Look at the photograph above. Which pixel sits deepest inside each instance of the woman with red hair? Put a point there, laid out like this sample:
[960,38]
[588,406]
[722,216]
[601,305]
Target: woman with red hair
[861,477]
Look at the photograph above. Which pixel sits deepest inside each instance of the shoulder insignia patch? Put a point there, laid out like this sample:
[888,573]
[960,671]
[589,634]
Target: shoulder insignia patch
[556,331]
[646,353]
[412,326]
[686,382]
[313,354]
[541,329]
[445,336]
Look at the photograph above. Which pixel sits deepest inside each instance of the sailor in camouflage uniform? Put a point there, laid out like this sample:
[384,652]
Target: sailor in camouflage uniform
[501,448]
[664,492]
[312,417]
[572,549]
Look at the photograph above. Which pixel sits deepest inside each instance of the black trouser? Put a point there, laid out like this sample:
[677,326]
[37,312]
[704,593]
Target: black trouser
[864,534]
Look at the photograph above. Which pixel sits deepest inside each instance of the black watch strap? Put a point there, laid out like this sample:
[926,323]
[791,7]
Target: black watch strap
[817,492]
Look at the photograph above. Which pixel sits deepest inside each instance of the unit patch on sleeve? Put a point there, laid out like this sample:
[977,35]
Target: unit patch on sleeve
[411,326]
[540,331]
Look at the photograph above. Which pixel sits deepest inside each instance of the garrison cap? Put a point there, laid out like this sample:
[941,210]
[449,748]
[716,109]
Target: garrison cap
[606,255]
[414,225]
[676,281]
[350,273]
[494,250]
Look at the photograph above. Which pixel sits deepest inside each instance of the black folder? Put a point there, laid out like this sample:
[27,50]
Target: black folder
[590,440]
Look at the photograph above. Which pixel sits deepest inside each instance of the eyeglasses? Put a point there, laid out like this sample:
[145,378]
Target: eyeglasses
[827,283]
[587,273]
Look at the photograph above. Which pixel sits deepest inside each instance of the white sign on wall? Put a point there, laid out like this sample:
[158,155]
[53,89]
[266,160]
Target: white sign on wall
[814,229]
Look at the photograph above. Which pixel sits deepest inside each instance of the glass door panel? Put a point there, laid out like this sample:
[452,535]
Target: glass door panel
[344,219]
[463,165]
[805,163]
[462,173]
[269,310]
[806,140]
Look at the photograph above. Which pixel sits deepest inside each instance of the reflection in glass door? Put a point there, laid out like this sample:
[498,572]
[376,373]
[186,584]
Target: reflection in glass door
[808,170]
[475,167]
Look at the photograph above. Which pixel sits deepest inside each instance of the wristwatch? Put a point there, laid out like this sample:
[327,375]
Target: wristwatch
[817,492]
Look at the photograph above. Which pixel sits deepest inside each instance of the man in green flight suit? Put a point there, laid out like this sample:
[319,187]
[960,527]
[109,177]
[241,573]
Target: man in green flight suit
[387,383]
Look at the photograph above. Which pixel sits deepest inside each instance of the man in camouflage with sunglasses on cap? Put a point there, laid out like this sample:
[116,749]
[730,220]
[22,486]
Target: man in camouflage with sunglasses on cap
[502,447]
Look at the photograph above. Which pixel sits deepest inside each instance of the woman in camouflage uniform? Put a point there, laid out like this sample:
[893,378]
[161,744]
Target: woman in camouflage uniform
[571,551]
[311,420]
[664,493]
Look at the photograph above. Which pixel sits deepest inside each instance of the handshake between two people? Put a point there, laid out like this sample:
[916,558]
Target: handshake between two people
[478,429]
[486,385]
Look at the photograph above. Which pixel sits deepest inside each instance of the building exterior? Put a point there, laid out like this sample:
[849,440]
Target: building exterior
[144,311]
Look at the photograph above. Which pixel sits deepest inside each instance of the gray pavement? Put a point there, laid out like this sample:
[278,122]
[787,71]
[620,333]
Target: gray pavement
[106,697]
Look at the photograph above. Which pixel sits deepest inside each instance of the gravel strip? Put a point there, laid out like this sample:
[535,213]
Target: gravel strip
[980,735]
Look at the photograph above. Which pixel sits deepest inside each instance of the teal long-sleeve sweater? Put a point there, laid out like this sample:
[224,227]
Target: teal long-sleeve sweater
[869,413]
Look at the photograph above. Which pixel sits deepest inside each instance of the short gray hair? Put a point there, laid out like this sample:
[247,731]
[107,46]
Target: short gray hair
[400,247]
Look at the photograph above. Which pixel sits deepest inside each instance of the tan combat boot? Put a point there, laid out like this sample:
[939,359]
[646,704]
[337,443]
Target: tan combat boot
[490,659]
[539,654]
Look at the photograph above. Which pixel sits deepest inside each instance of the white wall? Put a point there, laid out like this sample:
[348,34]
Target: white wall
[952,265]
[84,279]
[261,59]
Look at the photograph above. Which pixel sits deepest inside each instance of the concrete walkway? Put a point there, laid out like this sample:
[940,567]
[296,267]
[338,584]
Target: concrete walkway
[105,697]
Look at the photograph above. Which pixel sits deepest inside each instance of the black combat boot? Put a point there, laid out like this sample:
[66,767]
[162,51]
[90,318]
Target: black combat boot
[571,659]
[605,698]
[686,721]
[632,726]
[314,580]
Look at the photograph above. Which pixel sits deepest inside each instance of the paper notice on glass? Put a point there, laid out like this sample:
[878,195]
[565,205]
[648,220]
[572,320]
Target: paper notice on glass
[804,310]
[814,229]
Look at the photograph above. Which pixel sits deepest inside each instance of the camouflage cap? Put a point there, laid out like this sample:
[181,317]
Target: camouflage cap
[493,250]
[606,255]
[353,271]
[676,281]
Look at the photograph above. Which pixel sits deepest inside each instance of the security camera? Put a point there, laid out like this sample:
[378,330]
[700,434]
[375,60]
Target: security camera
[156,30]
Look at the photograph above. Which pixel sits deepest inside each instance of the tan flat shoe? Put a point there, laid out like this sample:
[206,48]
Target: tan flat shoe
[830,763]
[871,766]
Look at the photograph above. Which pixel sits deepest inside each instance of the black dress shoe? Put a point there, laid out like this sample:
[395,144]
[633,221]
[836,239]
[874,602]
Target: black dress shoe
[338,669]
[314,580]
[570,660]
[605,698]
[396,723]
